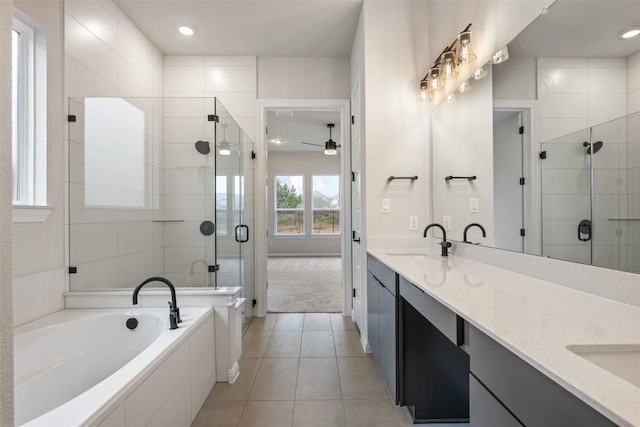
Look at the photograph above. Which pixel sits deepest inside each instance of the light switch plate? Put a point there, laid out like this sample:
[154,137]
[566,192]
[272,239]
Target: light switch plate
[386,205]
[413,223]
[473,206]
[446,222]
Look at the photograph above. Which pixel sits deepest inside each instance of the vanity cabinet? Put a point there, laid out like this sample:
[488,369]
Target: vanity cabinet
[382,321]
[434,367]
[505,390]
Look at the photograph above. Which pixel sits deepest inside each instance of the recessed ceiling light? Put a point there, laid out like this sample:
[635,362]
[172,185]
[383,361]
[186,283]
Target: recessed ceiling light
[630,33]
[276,141]
[187,31]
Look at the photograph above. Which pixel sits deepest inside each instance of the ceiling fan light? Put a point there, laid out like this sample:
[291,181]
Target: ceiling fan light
[224,148]
[330,148]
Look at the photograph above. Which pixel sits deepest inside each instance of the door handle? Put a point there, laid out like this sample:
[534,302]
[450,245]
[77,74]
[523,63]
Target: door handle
[236,233]
[584,229]
[353,237]
[246,238]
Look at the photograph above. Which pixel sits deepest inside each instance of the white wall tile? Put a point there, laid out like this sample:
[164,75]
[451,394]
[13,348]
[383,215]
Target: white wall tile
[570,156]
[101,274]
[184,181]
[124,21]
[611,132]
[562,80]
[231,61]
[184,207]
[634,206]
[610,181]
[183,79]
[184,60]
[134,237]
[37,295]
[606,63]
[633,77]
[110,6]
[562,62]
[555,105]
[190,279]
[132,81]
[230,79]
[612,105]
[611,156]
[184,107]
[92,242]
[144,402]
[565,181]
[633,179]
[574,253]
[560,231]
[180,156]
[184,130]
[607,232]
[610,256]
[185,260]
[565,206]
[633,102]
[607,80]
[134,51]
[80,213]
[183,234]
[552,128]
[134,268]
[89,50]
[80,81]
[607,206]
[96,18]
[238,104]
[634,259]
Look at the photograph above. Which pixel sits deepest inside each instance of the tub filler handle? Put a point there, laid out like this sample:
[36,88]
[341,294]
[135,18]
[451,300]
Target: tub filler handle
[174,311]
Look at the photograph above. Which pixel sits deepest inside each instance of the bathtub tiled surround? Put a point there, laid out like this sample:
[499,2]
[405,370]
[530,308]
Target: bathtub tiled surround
[535,320]
[165,384]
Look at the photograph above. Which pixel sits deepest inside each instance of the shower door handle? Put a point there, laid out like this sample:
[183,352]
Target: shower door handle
[584,229]
[238,235]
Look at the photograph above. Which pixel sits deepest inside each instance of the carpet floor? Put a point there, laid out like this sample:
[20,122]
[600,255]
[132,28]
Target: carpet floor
[305,285]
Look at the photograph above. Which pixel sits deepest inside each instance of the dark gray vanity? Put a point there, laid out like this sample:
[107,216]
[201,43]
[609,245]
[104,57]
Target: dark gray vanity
[445,370]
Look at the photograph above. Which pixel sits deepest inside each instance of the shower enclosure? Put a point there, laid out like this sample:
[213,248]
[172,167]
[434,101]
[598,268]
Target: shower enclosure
[159,187]
[591,195]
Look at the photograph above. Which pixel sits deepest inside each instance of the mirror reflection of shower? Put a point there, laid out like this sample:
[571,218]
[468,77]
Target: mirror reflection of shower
[596,146]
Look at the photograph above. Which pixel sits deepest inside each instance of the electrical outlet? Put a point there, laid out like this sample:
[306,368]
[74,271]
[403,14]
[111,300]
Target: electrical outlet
[413,223]
[386,205]
[446,222]
[473,206]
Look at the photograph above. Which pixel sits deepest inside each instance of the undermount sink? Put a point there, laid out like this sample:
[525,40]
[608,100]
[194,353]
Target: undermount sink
[622,360]
[416,254]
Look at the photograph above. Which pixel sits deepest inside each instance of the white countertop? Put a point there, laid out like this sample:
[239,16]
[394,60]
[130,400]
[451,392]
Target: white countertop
[534,319]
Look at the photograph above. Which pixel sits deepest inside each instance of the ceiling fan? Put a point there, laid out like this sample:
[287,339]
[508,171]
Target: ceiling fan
[330,147]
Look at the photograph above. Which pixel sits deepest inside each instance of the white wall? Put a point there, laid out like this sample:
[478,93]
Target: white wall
[303,78]
[106,55]
[38,248]
[6,276]
[307,165]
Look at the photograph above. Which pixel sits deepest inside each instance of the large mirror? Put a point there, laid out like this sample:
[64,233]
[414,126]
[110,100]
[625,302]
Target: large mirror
[545,150]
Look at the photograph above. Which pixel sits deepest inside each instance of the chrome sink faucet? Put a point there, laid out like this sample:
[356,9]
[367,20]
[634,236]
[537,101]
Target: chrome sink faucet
[174,311]
[474,224]
[445,245]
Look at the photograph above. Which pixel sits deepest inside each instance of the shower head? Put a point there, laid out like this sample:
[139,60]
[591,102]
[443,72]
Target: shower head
[203,147]
[596,146]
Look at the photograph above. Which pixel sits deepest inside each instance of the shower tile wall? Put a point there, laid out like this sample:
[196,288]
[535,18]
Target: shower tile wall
[573,95]
[106,55]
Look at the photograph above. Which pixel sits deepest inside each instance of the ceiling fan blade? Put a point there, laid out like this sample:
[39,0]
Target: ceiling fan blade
[308,143]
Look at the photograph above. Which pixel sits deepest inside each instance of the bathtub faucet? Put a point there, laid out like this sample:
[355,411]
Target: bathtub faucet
[174,311]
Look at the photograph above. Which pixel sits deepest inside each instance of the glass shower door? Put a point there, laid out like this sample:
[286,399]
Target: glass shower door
[565,197]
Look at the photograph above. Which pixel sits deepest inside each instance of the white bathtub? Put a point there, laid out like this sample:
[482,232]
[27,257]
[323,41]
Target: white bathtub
[86,368]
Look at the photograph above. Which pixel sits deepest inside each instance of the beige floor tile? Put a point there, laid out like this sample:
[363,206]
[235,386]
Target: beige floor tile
[289,322]
[318,413]
[317,322]
[276,380]
[342,323]
[370,413]
[317,344]
[284,344]
[267,414]
[254,345]
[348,343]
[318,379]
[359,379]
[262,324]
[219,414]
[241,388]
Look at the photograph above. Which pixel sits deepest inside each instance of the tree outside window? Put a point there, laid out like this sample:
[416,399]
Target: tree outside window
[289,204]
[326,204]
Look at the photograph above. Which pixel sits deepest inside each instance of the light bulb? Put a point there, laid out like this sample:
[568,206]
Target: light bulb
[424,90]
[434,82]
[448,67]
[480,73]
[500,56]
[465,52]
[464,87]
[450,98]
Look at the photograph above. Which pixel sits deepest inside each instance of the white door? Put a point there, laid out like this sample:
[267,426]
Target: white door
[356,206]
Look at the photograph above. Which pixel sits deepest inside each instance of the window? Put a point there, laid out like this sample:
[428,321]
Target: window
[221,205]
[29,124]
[326,204]
[289,203]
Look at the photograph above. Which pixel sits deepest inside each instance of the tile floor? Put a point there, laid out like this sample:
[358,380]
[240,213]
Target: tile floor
[302,370]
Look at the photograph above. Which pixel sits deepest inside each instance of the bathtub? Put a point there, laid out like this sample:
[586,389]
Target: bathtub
[85,367]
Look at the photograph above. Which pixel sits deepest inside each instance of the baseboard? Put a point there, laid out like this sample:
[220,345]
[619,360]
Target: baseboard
[365,344]
[234,373]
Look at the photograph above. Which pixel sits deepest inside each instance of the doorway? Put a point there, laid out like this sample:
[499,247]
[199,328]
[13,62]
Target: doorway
[304,260]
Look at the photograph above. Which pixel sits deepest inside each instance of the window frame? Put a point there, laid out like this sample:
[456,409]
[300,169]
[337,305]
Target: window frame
[30,185]
[314,209]
[276,209]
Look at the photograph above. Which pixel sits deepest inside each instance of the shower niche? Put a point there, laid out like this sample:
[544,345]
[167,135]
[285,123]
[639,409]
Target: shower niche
[159,187]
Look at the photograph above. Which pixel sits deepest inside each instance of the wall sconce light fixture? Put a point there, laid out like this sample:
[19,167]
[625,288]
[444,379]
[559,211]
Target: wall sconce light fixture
[461,51]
